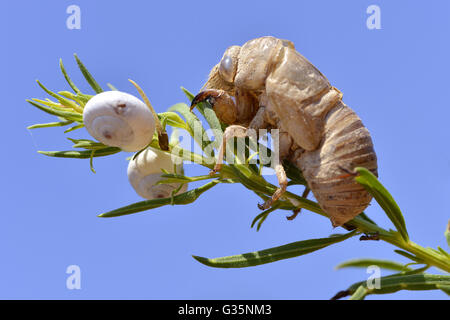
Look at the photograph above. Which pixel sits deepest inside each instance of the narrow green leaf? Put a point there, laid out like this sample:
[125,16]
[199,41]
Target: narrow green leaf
[81,154]
[89,78]
[61,99]
[287,251]
[251,180]
[366,262]
[50,103]
[398,282]
[173,120]
[188,94]
[292,171]
[66,76]
[78,126]
[180,199]
[84,97]
[409,256]
[91,161]
[71,116]
[113,88]
[444,288]
[87,144]
[359,294]
[192,157]
[262,217]
[195,127]
[50,124]
[178,178]
[364,216]
[443,252]
[76,98]
[447,233]
[411,272]
[173,178]
[368,180]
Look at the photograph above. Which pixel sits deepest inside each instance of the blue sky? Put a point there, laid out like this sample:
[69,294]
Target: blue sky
[395,78]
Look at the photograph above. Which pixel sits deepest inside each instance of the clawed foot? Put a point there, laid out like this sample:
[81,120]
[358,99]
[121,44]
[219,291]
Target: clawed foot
[292,216]
[266,205]
[370,236]
[216,169]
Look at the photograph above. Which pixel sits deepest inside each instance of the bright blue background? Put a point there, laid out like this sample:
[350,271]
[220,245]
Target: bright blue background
[396,79]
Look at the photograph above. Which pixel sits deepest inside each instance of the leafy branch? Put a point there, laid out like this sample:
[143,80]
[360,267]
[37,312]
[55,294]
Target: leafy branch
[68,108]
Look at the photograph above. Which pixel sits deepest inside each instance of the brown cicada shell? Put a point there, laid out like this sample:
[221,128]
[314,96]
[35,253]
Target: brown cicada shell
[267,84]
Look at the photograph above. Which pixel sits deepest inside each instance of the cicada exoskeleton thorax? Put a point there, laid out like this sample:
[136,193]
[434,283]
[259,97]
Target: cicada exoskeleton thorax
[320,134]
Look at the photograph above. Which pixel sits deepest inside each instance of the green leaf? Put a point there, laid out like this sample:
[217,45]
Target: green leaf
[287,251]
[447,233]
[77,98]
[178,178]
[191,156]
[84,97]
[364,216]
[50,124]
[66,76]
[443,252]
[368,180]
[409,256]
[81,154]
[78,126]
[444,288]
[50,103]
[173,120]
[180,199]
[89,78]
[359,294]
[195,127]
[61,99]
[71,116]
[366,262]
[394,283]
[262,217]
[250,180]
[112,87]
[292,171]
[88,144]
[91,161]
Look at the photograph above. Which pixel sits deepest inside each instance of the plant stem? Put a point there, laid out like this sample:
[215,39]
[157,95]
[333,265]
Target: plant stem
[393,237]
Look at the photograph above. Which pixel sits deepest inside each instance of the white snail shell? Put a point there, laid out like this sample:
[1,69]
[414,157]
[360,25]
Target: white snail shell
[119,119]
[145,171]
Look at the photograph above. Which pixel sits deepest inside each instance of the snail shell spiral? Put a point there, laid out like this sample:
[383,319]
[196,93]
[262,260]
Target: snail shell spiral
[145,171]
[119,119]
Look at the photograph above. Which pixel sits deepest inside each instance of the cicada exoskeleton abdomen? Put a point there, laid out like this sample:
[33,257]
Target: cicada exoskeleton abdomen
[345,144]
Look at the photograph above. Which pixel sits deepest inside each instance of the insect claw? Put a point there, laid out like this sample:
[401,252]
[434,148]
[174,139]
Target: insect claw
[202,96]
[265,205]
[370,236]
[216,169]
[348,227]
[294,215]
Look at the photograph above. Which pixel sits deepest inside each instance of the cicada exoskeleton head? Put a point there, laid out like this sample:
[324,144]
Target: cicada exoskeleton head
[219,90]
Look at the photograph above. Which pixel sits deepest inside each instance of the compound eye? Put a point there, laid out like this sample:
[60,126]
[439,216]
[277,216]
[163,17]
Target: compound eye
[227,68]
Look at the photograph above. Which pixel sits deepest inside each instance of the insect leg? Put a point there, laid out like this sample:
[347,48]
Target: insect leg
[282,181]
[230,132]
[297,211]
